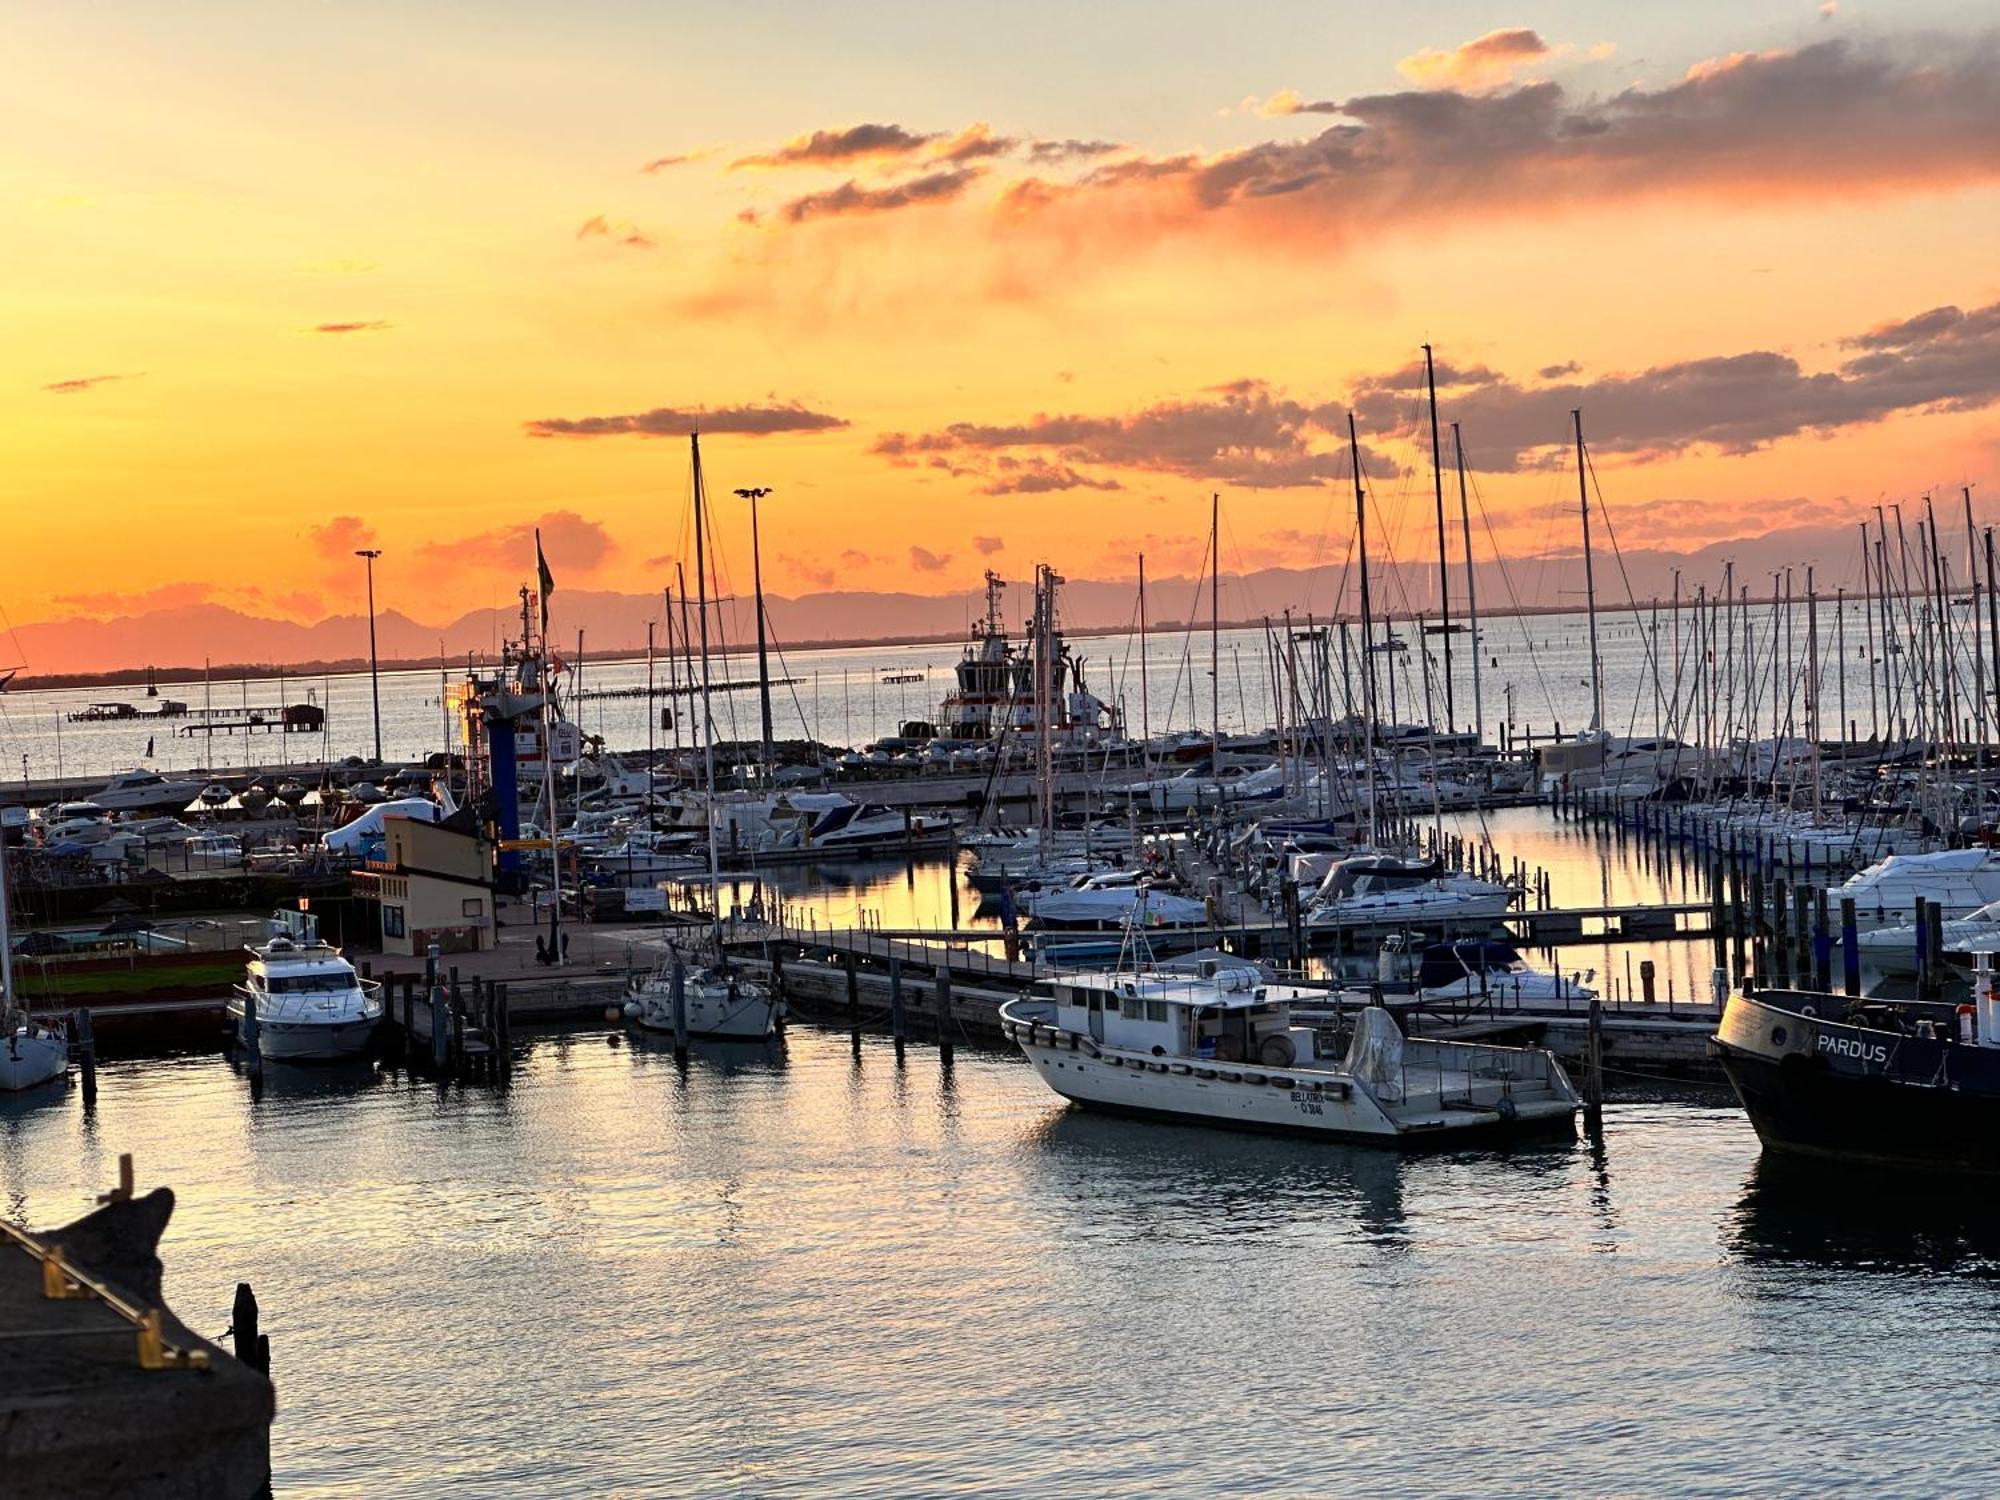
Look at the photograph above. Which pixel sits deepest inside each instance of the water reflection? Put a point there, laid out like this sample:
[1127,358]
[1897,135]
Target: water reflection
[1850,1219]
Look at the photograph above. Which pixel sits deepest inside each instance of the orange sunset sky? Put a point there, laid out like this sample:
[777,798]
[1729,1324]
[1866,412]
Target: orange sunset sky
[963,284]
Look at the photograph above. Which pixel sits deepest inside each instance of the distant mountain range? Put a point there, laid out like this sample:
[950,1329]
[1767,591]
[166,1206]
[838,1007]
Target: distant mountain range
[180,639]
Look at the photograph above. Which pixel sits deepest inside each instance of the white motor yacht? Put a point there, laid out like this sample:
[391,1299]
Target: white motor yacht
[1369,890]
[718,1000]
[140,790]
[1482,970]
[1220,1047]
[300,1000]
[1112,898]
[1894,949]
[1960,881]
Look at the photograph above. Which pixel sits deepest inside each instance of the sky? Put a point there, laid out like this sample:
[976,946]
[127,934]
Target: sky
[965,286]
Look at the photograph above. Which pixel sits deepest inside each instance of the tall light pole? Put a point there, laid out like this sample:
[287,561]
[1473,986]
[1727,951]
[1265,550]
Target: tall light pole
[763,659]
[374,670]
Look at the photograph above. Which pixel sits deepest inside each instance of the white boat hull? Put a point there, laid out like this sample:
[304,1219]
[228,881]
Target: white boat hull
[1290,1101]
[307,1041]
[1414,909]
[743,1014]
[29,1058]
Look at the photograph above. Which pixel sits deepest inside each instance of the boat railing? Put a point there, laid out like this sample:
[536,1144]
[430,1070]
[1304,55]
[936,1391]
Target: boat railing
[1477,1066]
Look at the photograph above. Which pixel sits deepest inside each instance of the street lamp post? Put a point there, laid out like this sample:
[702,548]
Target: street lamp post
[763,658]
[374,669]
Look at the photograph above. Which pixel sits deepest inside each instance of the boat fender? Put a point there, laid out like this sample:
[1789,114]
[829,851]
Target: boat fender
[631,1010]
[1204,1072]
[1278,1083]
[1181,1068]
[1507,1109]
[1072,1041]
[1116,1062]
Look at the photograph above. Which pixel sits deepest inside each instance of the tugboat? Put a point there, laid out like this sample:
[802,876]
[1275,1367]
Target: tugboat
[1898,1083]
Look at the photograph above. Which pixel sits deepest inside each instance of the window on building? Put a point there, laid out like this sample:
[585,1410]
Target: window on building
[392,922]
[473,906]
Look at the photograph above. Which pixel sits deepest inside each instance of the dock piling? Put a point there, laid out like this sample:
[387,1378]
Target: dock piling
[1593,1072]
[943,1017]
[896,1004]
[677,988]
[1850,948]
[86,1055]
[853,1002]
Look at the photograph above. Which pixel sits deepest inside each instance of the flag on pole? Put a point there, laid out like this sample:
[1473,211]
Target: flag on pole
[545,578]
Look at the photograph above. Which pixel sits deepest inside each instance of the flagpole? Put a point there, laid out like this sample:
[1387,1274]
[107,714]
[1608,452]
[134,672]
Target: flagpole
[546,582]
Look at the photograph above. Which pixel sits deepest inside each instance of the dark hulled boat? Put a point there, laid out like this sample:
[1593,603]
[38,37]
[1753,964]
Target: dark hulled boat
[1890,1083]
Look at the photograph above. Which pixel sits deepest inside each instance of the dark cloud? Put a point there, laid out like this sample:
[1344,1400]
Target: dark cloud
[926,561]
[1892,117]
[668,163]
[976,143]
[852,198]
[1244,434]
[679,421]
[1037,476]
[1944,359]
[1556,372]
[82,383]
[988,545]
[1053,153]
[571,542]
[374,327]
[846,144]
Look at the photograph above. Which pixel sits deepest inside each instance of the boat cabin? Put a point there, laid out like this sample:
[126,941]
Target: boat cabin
[1368,873]
[1227,1012]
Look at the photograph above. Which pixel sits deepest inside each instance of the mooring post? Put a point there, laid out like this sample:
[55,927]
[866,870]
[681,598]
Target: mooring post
[896,1004]
[951,876]
[1718,915]
[252,1347]
[456,999]
[1781,936]
[1757,944]
[251,1039]
[86,1055]
[943,1015]
[1822,943]
[1593,1071]
[853,1001]
[1850,948]
[434,992]
[409,1018]
[1922,938]
[677,988]
[1646,980]
[1934,934]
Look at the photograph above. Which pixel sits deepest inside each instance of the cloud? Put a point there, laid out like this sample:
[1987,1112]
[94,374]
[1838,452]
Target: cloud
[1053,153]
[668,163]
[82,383]
[840,146]
[1244,434]
[1485,62]
[619,231]
[1945,359]
[1287,102]
[1830,119]
[679,421]
[1556,372]
[988,545]
[340,536]
[1037,476]
[111,602]
[808,570]
[374,327]
[855,558]
[852,198]
[572,543]
[976,142]
[926,561]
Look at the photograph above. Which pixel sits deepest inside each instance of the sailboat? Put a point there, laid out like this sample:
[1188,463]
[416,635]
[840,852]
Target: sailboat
[713,998]
[31,1052]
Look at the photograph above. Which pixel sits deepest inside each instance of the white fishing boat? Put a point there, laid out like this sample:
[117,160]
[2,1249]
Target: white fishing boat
[1957,881]
[1383,890]
[300,1000]
[1220,1047]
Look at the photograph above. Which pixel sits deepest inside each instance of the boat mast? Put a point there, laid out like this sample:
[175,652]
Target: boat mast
[1444,565]
[6,947]
[1145,706]
[1367,626]
[707,724]
[1215,634]
[1978,640]
[763,655]
[548,686]
[1471,590]
[1589,576]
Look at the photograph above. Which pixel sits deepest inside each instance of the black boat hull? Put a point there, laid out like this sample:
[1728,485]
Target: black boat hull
[1820,1088]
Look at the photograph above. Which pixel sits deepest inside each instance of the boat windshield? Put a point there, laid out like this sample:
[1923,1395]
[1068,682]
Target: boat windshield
[298,984]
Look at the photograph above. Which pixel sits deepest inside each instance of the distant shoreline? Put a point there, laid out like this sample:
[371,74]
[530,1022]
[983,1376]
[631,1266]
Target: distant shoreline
[164,677]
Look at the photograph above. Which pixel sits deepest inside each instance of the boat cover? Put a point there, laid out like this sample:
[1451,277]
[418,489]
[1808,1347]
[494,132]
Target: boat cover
[1375,1056]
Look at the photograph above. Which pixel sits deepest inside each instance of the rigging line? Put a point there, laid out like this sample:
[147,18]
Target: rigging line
[1618,555]
[1513,594]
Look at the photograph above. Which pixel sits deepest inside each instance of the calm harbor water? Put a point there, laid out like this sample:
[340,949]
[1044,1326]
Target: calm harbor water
[786,1273]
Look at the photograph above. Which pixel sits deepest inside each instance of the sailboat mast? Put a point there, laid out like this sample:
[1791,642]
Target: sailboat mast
[1444,564]
[1589,575]
[1367,626]
[1145,704]
[707,724]
[6,942]
[1978,640]
[1471,591]
[1215,634]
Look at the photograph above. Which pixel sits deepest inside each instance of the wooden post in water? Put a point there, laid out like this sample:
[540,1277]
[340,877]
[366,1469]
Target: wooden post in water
[1718,915]
[896,1004]
[1802,931]
[456,999]
[1757,969]
[434,992]
[1922,939]
[1646,973]
[86,1055]
[1593,1071]
[1850,948]
[677,989]
[253,1348]
[1781,937]
[853,1002]
[943,1015]
[1822,944]
[1934,944]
